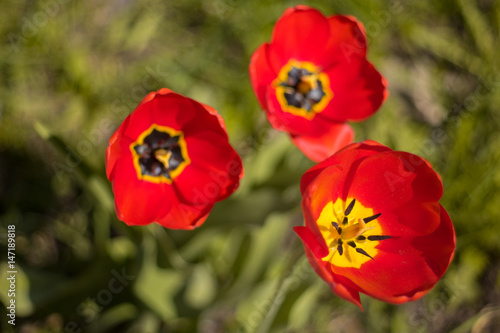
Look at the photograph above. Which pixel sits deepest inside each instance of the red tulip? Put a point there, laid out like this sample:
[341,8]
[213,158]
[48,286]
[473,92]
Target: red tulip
[373,223]
[170,161]
[313,77]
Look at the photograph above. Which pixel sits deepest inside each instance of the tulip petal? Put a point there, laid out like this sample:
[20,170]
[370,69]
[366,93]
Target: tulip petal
[408,274]
[344,157]
[204,121]
[186,217]
[384,181]
[339,285]
[139,202]
[214,171]
[347,41]
[427,186]
[323,145]
[171,110]
[118,147]
[314,242]
[438,247]
[358,91]
[261,73]
[301,34]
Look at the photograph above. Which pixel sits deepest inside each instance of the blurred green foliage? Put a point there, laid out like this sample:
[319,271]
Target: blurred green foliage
[70,72]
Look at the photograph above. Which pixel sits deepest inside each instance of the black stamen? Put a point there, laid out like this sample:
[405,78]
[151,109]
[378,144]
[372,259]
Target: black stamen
[340,249]
[363,252]
[345,220]
[371,218]
[361,238]
[349,208]
[378,238]
[339,230]
[156,140]
[351,244]
[298,98]
[335,225]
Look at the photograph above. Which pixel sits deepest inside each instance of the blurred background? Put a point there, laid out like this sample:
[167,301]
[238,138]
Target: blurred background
[71,71]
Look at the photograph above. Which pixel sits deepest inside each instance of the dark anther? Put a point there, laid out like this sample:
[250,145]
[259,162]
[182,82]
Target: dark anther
[345,220]
[363,252]
[159,154]
[371,218]
[378,238]
[360,238]
[299,93]
[336,226]
[340,249]
[349,208]
[351,244]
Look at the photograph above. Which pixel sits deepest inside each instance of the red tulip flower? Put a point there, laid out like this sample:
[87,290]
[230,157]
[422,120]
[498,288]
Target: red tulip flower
[313,77]
[373,223]
[170,161]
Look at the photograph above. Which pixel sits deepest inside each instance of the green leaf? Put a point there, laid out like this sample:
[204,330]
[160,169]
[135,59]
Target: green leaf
[155,286]
[113,317]
[201,287]
[304,307]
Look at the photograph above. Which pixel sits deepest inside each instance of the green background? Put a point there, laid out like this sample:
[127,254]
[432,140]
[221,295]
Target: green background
[71,71]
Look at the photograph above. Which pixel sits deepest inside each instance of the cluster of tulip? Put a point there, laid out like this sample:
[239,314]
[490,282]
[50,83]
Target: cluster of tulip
[373,222]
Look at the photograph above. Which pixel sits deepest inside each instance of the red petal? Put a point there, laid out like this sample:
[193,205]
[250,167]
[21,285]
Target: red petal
[186,217]
[380,182]
[301,34]
[205,119]
[384,181]
[350,293]
[347,41]
[214,171]
[325,188]
[118,147]
[312,241]
[152,95]
[395,188]
[338,284]
[358,91]
[323,145]
[390,276]
[214,112]
[261,73]
[438,247]
[171,110]
[344,157]
[139,202]
[414,218]
[407,274]
[427,185]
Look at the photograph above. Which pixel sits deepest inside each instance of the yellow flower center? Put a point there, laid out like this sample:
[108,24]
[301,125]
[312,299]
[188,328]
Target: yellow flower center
[302,89]
[351,231]
[159,154]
